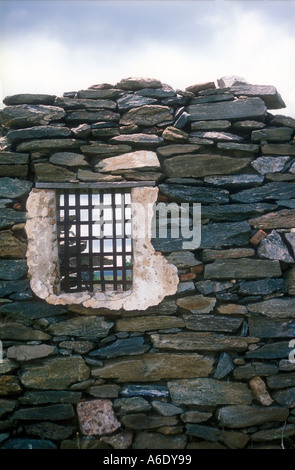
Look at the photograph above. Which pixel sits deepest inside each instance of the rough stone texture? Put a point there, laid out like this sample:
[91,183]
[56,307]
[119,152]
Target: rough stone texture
[153,367]
[55,374]
[196,166]
[136,160]
[243,268]
[96,417]
[208,392]
[272,247]
[251,108]
[27,115]
[244,416]
[211,365]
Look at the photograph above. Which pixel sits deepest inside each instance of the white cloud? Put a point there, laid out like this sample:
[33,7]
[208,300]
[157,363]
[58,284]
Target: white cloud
[225,39]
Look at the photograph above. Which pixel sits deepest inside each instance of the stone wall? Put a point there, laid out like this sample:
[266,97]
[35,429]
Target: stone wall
[209,367]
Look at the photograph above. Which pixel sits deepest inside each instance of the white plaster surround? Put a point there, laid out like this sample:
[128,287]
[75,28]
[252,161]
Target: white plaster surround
[153,277]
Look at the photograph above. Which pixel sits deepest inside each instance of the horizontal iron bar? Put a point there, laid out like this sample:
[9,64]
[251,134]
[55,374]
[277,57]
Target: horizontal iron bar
[113,185]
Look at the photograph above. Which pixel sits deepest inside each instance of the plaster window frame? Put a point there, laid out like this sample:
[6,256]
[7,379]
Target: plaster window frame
[153,277]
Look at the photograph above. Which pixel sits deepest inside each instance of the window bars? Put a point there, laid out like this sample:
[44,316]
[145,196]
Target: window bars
[94,239]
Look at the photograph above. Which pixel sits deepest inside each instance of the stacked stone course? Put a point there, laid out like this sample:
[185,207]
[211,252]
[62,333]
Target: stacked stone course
[209,366]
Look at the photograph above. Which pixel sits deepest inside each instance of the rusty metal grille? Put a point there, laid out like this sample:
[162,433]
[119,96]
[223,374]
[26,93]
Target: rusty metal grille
[94,239]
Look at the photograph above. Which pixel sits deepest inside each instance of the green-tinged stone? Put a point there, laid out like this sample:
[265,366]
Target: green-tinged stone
[245,416]
[44,413]
[200,341]
[154,367]
[14,188]
[25,115]
[55,374]
[208,392]
[200,165]
[243,268]
[91,327]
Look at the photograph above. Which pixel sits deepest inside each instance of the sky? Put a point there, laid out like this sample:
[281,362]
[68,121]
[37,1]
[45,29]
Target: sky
[56,46]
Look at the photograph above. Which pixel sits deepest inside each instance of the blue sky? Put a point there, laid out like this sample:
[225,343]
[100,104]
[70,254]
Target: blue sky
[53,46]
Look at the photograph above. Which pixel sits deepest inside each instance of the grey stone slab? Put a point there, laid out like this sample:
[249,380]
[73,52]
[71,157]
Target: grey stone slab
[251,108]
[243,268]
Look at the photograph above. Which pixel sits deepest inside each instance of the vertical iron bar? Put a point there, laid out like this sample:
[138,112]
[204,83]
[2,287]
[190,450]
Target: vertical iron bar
[78,241]
[101,240]
[90,251]
[114,237]
[66,242]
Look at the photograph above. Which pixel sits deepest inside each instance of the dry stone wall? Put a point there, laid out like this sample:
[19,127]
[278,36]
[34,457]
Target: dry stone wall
[210,366]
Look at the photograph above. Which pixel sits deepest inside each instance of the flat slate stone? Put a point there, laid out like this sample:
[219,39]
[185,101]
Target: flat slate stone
[251,108]
[101,149]
[17,288]
[138,83]
[53,173]
[154,367]
[11,247]
[68,159]
[262,287]
[278,149]
[281,219]
[19,332]
[90,116]
[28,443]
[177,149]
[76,103]
[24,115]
[45,397]
[44,413]
[272,134]
[270,191]
[233,149]
[10,217]
[90,327]
[12,270]
[38,132]
[13,158]
[271,328]
[216,235]
[14,188]
[138,140]
[55,374]
[218,323]
[267,93]
[122,347]
[197,166]
[278,350]
[244,416]
[281,120]
[283,307]
[234,181]
[32,310]
[243,268]
[199,341]
[148,115]
[29,98]
[183,193]
[99,93]
[139,160]
[48,145]
[235,212]
[208,392]
[128,101]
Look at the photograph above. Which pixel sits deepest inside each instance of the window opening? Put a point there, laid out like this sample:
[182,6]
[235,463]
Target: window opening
[94,239]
